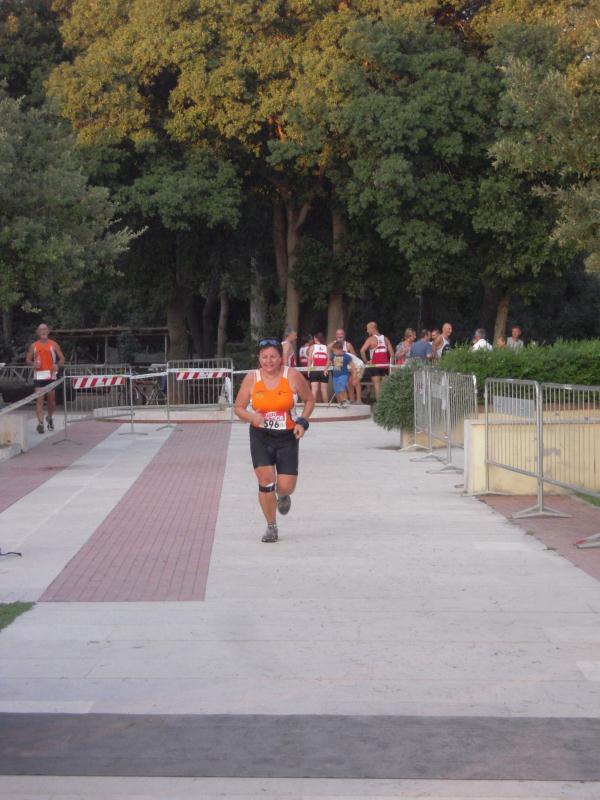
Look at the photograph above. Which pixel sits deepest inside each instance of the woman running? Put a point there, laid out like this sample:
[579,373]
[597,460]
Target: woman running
[274,430]
[318,367]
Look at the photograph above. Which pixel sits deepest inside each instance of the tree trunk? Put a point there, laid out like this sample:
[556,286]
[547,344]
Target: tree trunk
[178,339]
[295,219]
[487,317]
[280,243]
[208,324]
[223,317]
[501,316]
[292,300]
[7,331]
[258,304]
[336,309]
[192,315]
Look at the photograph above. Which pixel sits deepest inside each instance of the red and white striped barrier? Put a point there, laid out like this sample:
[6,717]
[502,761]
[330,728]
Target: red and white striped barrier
[199,374]
[93,381]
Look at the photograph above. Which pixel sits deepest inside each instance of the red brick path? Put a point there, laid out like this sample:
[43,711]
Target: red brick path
[156,543]
[24,473]
[560,533]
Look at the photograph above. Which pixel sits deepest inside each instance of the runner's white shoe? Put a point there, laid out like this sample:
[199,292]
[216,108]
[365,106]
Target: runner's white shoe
[271,534]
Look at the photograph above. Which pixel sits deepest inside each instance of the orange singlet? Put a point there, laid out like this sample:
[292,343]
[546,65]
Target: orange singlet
[45,357]
[274,404]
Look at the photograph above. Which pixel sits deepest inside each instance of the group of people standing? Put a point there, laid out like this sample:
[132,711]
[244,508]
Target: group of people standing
[319,359]
[433,344]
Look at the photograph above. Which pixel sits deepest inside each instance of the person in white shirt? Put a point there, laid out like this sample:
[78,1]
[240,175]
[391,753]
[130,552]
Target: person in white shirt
[480,342]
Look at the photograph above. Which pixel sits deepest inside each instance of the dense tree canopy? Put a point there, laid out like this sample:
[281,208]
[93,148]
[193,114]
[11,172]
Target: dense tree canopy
[311,162]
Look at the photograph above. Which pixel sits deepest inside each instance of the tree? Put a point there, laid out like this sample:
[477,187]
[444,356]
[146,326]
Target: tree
[551,118]
[30,45]
[416,131]
[56,230]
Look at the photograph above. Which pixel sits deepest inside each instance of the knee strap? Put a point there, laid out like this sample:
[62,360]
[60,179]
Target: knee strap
[270,487]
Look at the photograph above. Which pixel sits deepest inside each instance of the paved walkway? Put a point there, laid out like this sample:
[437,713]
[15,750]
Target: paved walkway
[390,596]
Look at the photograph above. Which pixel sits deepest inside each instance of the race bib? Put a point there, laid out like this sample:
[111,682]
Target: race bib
[43,375]
[275,421]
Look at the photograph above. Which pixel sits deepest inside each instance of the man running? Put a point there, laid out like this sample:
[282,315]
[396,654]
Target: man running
[380,354]
[274,431]
[46,357]
[354,387]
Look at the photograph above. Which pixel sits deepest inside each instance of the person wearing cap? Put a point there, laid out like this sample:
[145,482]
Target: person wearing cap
[46,358]
[266,400]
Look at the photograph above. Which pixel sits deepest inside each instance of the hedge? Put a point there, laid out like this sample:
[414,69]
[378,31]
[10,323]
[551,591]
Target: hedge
[562,362]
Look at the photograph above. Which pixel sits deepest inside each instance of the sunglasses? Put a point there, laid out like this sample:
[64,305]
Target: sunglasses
[269,343]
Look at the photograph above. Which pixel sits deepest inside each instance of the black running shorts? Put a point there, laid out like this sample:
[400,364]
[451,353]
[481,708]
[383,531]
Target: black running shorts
[42,383]
[277,449]
[376,372]
[318,377]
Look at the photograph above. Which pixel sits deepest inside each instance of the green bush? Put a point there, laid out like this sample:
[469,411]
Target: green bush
[562,362]
[394,410]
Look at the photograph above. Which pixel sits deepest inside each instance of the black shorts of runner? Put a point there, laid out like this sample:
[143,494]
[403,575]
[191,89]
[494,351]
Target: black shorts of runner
[376,372]
[318,377]
[40,384]
[277,449]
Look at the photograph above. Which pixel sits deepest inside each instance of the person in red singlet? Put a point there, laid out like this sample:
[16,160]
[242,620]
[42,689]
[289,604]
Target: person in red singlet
[380,354]
[46,357]
[289,347]
[318,367]
[274,429]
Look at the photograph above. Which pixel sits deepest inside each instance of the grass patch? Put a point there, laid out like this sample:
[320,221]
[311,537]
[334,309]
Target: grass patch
[588,498]
[10,611]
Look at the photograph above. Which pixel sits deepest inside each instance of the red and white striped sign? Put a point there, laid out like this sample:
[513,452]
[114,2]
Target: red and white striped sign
[91,381]
[200,374]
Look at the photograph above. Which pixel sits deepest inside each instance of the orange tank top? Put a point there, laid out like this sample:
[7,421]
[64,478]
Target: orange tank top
[45,356]
[274,404]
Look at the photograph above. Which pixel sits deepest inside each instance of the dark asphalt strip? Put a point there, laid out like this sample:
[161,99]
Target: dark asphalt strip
[256,746]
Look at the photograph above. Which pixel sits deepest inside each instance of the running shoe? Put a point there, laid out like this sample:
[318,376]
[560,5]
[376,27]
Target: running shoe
[50,423]
[284,503]
[40,427]
[271,534]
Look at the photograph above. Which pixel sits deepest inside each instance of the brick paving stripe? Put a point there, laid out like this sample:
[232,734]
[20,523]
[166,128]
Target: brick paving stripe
[22,474]
[155,544]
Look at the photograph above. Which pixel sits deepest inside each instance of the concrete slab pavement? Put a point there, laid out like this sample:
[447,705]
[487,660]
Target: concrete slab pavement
[389,593]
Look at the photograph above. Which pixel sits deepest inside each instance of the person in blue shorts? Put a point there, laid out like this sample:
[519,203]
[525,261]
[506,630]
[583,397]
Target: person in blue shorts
[342,366]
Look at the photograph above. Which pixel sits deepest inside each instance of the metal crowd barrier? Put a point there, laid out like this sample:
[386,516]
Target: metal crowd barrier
[549,432]
[97,391]
[200,383]
[442,403]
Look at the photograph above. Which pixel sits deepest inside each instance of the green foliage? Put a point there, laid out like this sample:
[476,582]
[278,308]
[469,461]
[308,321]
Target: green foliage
[551,117]
[395,408]
[185,191]
[563,362]
[30,45]
[317,273]
[10,611]
[56,230]
[416,127]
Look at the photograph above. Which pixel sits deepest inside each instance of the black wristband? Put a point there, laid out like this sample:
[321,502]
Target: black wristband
[303,422]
